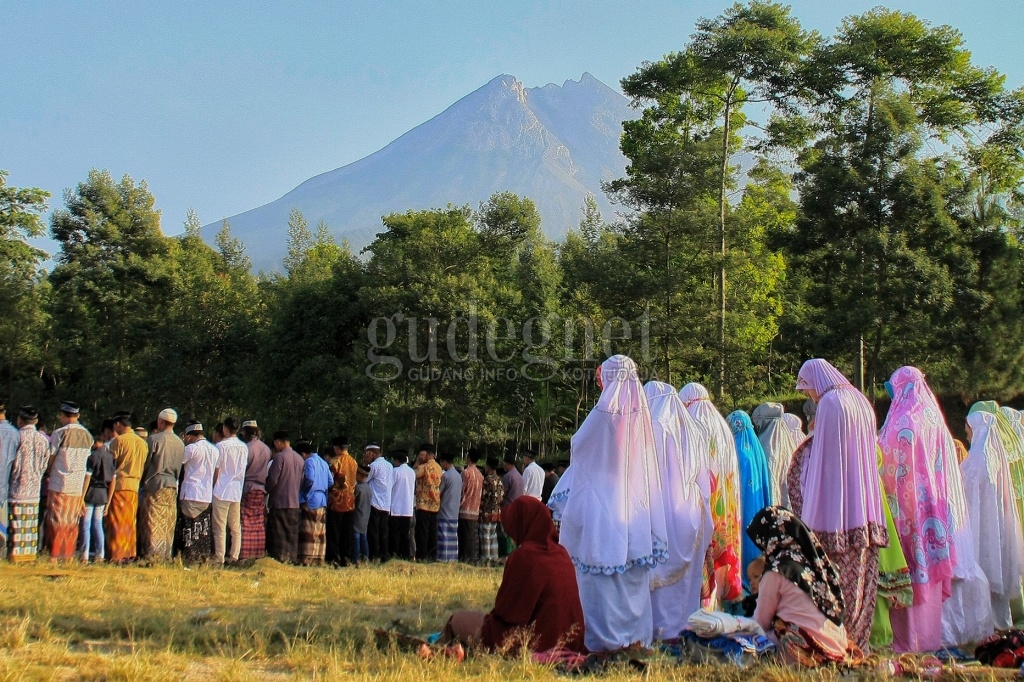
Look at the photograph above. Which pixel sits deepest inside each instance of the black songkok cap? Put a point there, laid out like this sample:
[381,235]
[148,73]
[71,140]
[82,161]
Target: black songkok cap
[510,458]
[68,407]
[28,413]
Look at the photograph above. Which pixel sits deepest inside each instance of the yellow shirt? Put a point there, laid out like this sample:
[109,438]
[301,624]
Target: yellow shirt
[129,452]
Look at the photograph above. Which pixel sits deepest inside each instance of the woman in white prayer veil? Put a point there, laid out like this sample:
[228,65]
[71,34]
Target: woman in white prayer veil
[612,522]
[779,445]
[796,427]
[684,463]
[725,493]
[997,540]
[967,614]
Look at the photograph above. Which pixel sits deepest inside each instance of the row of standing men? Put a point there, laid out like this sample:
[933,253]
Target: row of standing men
[118,496]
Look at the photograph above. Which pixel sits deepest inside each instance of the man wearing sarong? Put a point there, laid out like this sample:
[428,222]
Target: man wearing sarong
[194,534]
[490,512]
[469,509]
[341,505]
[70,446]
[26,481]
[233,456]
[316,479]
[129,453]
[448,512]
[158,508]
[254,492]
[9,441]
[283,483]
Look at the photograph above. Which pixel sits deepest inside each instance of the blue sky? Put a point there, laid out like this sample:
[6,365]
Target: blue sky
[224,106]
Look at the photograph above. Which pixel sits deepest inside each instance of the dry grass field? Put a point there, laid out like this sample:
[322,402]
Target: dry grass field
[265,621]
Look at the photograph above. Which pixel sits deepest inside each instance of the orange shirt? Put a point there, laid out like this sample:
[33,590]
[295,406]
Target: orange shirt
[341,497]
[428,486]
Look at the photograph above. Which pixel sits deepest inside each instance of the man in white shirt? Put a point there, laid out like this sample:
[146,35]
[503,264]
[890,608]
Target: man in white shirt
[380,480]
[228,479]
[195,526]
[402,493]
[533,476]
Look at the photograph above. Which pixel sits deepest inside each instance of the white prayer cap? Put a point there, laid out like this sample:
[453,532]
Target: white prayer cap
[169,416]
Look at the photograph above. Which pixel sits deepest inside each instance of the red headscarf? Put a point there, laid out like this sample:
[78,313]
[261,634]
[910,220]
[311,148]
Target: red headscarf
[538,588]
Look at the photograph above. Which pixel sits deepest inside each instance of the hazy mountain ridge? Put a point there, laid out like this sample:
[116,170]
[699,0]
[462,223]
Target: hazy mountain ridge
[554,144]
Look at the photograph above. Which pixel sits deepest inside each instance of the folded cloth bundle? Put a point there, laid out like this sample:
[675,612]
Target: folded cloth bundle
[737,649]
[707,623]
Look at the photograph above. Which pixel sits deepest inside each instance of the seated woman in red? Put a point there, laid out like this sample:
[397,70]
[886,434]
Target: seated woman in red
[538,602]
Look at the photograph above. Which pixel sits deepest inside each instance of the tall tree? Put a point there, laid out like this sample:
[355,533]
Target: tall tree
[750,54]
[874,241]
[111,283]
[231,249]
[300,241]
[21,287]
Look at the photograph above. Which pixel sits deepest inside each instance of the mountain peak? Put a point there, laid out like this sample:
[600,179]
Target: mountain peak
[553,144]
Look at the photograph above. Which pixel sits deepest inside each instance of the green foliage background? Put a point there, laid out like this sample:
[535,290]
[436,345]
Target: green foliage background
[878,225]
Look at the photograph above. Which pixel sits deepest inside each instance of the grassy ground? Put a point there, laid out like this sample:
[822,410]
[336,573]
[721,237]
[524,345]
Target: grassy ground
[266,621]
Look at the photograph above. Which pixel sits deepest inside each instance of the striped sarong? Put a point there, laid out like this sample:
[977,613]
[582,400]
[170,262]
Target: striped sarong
[194,534]
[489,541]
[254,525]
[63,518]
[158,514]
[447,539]
[312,536]
[119,527]
[24,531]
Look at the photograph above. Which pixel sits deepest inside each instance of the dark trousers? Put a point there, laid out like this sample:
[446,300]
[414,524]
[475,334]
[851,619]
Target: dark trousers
[398,537]
[340,536]
[503,542]
[469,541]
[377,535]
[426,535]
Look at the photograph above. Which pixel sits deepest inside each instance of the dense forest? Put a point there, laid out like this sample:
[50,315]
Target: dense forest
[879,225]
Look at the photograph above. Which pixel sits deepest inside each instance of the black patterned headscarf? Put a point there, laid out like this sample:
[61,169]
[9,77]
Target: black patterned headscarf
[791,550]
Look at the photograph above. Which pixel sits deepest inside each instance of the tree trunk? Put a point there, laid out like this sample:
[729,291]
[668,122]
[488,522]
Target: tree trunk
[722,174]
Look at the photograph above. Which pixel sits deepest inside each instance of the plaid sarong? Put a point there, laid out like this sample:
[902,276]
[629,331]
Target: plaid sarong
[24,531]
[254,525]
[447,539]
[158,514]
[61,524]
[194,533]
[312,536]
[489,541]
[120,525]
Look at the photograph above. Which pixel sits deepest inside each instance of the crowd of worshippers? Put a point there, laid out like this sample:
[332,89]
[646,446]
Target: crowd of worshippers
[127,493]
[836,540]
